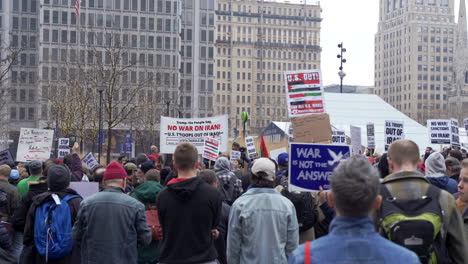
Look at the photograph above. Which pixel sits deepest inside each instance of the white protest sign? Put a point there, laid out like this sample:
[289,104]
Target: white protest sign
[370,136]
[85,189]
[34,144]
[90,161]
[455,137]
[304,91]
[250,145]
[338,137]
[194,130]
[63,147]
[394,130]
[356,139]
[211,149]
[439,131]
[275,153]
[235,155]
[465,122]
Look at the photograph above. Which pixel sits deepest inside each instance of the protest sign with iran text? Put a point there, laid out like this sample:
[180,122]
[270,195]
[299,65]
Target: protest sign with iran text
[439,131]
[394,130]
[304,92]
[194,131]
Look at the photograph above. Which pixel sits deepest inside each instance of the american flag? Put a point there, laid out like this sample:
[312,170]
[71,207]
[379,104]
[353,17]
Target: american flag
[77,8]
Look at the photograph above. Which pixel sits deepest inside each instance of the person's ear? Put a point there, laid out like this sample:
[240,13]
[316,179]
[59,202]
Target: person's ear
[377,202]
[330,200]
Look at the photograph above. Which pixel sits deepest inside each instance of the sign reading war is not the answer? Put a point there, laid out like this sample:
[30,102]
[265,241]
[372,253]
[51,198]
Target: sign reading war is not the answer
[394,130]
[311,165]
[439,131]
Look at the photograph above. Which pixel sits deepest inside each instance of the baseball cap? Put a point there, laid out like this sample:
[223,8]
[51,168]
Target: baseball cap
[264,165]
[283,159]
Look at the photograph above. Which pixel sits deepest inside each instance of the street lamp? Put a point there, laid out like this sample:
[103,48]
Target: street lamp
[100,90]
[341,73]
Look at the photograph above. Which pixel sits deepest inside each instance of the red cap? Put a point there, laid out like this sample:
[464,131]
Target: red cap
[114,170]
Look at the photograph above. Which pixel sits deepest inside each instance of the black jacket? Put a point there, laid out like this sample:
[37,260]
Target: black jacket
[221,242]
[188,210]
[19,218]
[30,254]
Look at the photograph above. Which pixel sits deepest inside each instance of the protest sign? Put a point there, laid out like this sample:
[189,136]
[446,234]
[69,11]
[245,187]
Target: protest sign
[370,136]
[356,140]
[304,92]
[312,128]
[211,149]
[439,131]
[90,161]
[455,135]
[311,165]
[465,122]
[250,145]
[394,131]
[85,189]
[275,153]
[195,130]
[338,137]
[6,157]
[235,155]
[63,147]
[34,144]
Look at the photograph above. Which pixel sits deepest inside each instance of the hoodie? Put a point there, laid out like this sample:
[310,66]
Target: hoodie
[188,211]
[436,173]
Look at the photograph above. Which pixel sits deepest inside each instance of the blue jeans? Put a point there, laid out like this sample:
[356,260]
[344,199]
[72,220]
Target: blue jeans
[17,244]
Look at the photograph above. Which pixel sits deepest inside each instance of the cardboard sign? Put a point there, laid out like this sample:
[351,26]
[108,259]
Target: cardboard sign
[311,165]
[356,141]
[85,189]
[235,155]
[90,161]
[250,145]
[338,137]
[211,149]
[439,131]
[455,135]
[304,92]
[6,157]
[312,128]
[63,147]
[394,130]
[370,136]
[194,131]
[34,144]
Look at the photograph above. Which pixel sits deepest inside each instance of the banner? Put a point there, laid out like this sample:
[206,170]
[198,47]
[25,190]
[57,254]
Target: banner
[34,144]
[63,147]
[455,137]
[439,131]
[195,130]
[85,189]
[356,142]
[90,161]
[394,131]
[6,157]
[235,155]
[304,92]
[370,136]
[338,137]
[311,165]
[250,145]
[211,149]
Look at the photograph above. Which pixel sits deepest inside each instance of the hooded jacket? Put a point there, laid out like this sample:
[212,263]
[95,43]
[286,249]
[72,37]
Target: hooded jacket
[436,173]
[19,218]
[188,210]
[146,193]
[223,170]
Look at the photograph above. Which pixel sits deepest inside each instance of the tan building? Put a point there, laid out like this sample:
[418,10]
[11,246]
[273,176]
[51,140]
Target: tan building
[414,56]
[256,42]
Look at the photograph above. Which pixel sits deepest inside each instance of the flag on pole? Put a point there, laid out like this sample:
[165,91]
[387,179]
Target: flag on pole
[263,149]
[77,8]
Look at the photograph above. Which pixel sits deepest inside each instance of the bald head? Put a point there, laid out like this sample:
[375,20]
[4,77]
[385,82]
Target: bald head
[403,152]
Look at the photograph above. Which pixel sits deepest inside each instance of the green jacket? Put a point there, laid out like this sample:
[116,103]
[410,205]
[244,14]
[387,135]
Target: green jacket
[403,188]
[146,193]
[23,185]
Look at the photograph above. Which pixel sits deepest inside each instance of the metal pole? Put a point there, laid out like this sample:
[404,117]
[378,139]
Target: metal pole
[100,127]
[341,67]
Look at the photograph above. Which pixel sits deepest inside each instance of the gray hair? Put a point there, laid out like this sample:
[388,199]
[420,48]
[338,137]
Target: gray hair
[355,186]
[113,181]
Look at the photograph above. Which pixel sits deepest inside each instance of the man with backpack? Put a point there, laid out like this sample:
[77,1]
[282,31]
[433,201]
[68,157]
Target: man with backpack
[352,238]
[416,214]
[48,231]
[230,185]
[110,223]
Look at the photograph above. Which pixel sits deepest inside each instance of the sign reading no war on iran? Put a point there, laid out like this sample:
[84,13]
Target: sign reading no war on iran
[311,165]
[193,130]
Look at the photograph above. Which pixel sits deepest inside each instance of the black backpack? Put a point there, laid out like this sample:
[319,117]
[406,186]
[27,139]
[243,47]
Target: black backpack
[227,189]
[306,216]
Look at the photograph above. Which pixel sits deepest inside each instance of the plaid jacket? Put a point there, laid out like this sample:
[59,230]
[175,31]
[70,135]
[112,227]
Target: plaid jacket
[237,185]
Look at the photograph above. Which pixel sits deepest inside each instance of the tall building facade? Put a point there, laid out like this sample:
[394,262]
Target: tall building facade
[414,56]
[256,42]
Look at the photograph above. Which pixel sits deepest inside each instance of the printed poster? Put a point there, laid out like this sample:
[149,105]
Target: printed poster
[356,143]
[63,147]
[370,136]
[394,130]
[250,145]
[439,131]
[34,144]
[304,92]
[338,137]
[211,149]
[455,137]
[90,161]
[235,155]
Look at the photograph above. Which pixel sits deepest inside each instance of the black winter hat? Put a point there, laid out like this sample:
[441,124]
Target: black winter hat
[146,166]
[59,177]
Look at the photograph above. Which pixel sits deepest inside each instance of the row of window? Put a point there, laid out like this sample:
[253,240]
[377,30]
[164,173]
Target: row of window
[22,113]
[158,6]
[26,23]
[270,54]
[297,10]
[270,21]
[205,52]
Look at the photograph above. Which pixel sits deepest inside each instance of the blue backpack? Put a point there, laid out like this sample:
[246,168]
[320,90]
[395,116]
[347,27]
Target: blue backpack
[53,228]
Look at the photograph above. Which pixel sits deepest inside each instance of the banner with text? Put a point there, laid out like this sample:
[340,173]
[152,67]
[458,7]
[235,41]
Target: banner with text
[194,130]
[356,143]
[235,155]
[455,137]
[211,149]
[394,130]
[338,137]
[439,131]
[250,145]
[311,165]
[34,144]
[63,147]
[304,91]
[90,161]
[370,136]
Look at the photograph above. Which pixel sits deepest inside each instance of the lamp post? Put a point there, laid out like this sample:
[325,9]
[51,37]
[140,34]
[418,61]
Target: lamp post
[100,90]
[341,73]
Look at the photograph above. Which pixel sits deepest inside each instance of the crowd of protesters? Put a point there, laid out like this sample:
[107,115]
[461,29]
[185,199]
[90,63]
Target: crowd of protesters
[398,207]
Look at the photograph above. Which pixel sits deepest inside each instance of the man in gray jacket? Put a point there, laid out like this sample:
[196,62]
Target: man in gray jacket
[110,224]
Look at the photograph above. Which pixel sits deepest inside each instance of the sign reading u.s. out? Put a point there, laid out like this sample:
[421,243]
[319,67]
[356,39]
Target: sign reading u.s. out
[311,165]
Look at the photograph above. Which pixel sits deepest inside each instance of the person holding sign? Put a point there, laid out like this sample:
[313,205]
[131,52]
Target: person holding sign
[73,162]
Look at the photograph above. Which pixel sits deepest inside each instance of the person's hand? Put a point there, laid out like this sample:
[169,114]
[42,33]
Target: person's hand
[75,148]
[215,233]
[322,196]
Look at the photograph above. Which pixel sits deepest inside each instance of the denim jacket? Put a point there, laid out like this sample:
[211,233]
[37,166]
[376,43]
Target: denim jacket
[354,240]
[263,228]
[109,226]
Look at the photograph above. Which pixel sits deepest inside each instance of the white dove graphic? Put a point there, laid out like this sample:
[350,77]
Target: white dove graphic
[336,158]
